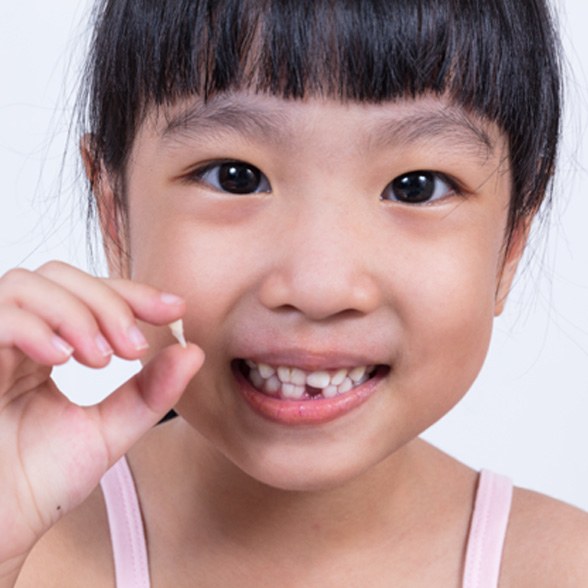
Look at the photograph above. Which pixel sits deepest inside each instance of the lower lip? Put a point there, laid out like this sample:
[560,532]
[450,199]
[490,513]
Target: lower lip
[305,412]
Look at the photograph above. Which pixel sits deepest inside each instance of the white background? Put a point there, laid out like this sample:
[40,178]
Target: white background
[525,417]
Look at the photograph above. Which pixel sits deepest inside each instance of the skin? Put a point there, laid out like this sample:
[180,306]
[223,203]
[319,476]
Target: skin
[315,268]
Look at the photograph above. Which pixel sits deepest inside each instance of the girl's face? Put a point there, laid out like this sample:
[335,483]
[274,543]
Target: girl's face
[324,237]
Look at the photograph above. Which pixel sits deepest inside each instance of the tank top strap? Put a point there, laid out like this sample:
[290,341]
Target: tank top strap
[487,531]
[126,527]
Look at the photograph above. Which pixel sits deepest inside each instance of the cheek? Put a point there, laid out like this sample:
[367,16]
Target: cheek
[211,268]
[447,316]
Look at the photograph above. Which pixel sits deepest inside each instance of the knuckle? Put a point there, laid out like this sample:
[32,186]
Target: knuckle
[15,276]
[13,282]
[52,268]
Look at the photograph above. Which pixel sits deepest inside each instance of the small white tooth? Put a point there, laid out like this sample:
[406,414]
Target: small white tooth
[298,377]
[251,364]
[345,386]
[330,391]
[272,385]
[292,391]
[266,371]
[256,379]
[357,373]
[284,374]
[318,379]
[338,377]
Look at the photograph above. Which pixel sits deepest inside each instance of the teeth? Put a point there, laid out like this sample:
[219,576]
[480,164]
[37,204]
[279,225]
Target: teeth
[291,382]
[284,375]
[292,391]
[345,386]
[338,377]
[357,374]
[272,385]
[318,379]
[256,378]
[330,391]
[266,371]
[298,377]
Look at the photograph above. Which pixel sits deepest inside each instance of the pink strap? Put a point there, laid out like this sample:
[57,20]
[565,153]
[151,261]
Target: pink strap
[126,527]
[487,531]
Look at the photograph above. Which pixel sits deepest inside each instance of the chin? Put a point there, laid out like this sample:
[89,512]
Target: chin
[313,470]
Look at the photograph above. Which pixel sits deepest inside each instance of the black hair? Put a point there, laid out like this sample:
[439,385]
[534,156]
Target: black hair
[498,59]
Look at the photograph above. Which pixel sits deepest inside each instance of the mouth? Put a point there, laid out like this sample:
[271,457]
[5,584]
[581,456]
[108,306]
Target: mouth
[292,383]
[291,395]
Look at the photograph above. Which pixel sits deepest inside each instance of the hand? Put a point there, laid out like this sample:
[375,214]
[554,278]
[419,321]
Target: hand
[52,452]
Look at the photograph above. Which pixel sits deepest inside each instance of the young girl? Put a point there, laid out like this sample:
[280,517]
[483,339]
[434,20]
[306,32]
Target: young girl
[333,197]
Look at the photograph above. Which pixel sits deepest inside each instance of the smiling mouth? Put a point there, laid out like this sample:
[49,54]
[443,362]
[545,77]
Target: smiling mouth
[293,383]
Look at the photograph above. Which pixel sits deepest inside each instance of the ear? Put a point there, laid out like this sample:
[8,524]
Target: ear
[112,226]
[510,263]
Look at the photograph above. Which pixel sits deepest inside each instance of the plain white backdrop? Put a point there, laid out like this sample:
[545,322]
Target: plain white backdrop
[527,414]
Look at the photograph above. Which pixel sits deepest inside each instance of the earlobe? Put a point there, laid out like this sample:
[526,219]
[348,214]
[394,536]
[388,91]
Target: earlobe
[108,208]
[510,263]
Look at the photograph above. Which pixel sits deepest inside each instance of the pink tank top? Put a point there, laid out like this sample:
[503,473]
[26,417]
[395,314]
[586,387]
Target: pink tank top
[483,554]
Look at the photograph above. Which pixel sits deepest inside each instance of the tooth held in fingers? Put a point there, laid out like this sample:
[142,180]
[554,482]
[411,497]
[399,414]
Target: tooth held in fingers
[177,330]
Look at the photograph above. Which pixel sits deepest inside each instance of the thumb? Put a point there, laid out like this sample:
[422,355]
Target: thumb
[140,403]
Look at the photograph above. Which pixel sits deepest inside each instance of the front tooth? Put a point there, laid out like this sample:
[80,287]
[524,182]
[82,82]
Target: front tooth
[345,386]
[318,379]
[338,377]
[284,374]
[266,371]
[330,391]
[357,373]
[292,391]
[256,379]
[272,385]
[298,377]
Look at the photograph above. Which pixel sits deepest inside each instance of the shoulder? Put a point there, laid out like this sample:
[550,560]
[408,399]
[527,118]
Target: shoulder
[546,543]
[75,552]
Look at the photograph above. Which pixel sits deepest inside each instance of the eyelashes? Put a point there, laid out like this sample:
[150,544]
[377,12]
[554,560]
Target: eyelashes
[242,178]
[233,177]
[420,187]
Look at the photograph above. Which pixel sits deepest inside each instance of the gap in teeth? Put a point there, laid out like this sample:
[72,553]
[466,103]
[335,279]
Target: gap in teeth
[296,384]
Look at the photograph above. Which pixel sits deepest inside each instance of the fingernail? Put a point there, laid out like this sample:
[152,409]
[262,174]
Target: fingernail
[103,346]
[137,338]
[171,299]
[62,346]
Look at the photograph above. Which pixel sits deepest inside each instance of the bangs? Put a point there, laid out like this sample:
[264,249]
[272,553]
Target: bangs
[359,50]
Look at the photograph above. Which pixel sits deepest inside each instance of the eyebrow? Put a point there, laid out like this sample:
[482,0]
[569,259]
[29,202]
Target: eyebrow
[223,117]
[252,122]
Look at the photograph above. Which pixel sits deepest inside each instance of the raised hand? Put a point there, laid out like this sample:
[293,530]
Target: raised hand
[52,452]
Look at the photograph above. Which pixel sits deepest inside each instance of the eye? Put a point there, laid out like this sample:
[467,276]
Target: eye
[419,187]
[234,177]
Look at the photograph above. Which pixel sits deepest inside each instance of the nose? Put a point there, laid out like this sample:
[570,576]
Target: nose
[323,265]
